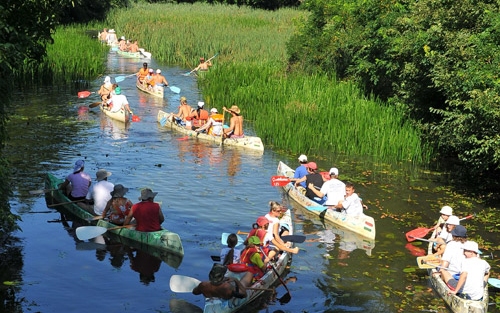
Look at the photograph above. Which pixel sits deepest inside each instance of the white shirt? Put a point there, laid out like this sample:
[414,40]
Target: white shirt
[236,255]
[475,268]
[101,193]
[454,255]
[117,102]
[334,189]
[352,205]
[272,221]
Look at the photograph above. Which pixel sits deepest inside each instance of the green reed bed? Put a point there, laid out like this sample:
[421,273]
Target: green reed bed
[74,56]
[299,113]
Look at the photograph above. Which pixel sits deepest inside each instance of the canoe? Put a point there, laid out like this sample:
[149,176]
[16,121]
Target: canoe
[217,305]
[247,142]
[456,304]
[121,116]
[363,225]
[163,240]
[158,92]
[126,54]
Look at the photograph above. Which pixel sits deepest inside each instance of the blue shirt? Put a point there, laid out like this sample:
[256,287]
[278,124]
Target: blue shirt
[300,172]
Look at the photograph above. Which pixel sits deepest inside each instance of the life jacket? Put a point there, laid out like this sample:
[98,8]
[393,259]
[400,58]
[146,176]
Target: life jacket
[246,254]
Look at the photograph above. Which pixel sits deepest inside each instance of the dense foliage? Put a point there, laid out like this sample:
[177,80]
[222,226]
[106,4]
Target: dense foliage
[436,59]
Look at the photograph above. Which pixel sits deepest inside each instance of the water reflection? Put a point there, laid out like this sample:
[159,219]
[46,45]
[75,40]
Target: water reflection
[145,264]
[113,129]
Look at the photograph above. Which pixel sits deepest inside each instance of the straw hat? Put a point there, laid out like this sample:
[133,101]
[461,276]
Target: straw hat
[102,174]
[235,109]
[147,194]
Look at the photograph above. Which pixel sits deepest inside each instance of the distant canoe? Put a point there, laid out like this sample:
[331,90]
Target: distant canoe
[125,54]
[247,142]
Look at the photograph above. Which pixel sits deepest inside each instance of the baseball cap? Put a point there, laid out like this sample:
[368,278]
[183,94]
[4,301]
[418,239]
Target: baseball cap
[334,171]
[446,210]
[312,165]
[459,231]
[201,104]
[214,110]
[302,158]
[453,220]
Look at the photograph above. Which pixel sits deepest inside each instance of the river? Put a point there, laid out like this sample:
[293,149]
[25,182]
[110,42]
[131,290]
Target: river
[204,190]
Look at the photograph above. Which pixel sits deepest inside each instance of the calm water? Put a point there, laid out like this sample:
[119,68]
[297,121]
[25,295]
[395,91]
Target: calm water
[204,190]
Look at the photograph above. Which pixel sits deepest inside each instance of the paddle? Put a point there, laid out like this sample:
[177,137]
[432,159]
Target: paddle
[189,73]
[40,191]
[279,181]
[64,203]
[145,53]
[224,236]
[135,118]
[181,283]
[84,94]
[495,282]
[119,79]
[95,104]
[88,232]
[422,231]
[286,298]
[291,238]
[174,89]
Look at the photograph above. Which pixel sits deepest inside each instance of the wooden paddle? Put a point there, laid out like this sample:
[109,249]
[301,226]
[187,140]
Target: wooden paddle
[88,232]
[286,298]
[181,283]
[420,232]
[291,238]
[64,203]
[41,191]
[279,181]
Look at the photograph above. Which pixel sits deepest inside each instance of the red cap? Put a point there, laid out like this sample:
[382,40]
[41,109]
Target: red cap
[312,165]
[262,220]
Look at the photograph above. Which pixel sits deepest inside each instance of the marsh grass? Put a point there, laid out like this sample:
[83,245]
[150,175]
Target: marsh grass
[296,113]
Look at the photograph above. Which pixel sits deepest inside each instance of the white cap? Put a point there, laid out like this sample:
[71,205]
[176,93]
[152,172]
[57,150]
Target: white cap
[201,104]
[334,171]
[122,37]
[302,158]
[471,246]
[453,220]
[446,210]
[214,110]
[107,79]
[158,71]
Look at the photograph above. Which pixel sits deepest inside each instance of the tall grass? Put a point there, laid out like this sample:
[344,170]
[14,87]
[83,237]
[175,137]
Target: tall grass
[74,56]
[295,113]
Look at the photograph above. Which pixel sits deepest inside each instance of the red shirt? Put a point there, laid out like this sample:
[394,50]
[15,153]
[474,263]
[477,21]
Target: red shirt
[147,216]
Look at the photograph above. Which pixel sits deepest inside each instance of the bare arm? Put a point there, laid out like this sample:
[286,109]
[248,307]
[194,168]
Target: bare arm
[316,191]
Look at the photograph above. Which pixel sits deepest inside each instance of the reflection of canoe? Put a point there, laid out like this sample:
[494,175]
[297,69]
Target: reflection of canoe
[172,259]
[456,304]
[248,142]
[126,54]
[157,92]
[268,280]
[362,225]
[121,116]
[163,240]
[55,196]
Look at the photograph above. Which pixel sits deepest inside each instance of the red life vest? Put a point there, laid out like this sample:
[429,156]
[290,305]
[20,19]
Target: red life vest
[246,254]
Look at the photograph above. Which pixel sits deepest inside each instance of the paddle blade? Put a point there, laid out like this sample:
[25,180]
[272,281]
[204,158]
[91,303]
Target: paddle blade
[428,261]
[84,94]
[183,138]
[119,79]
[88,232]
[495,282]
[180,283]
[294,238]
[136,118]
[93,105]
[285,299]
[279,181]
[175,89]
[420,232]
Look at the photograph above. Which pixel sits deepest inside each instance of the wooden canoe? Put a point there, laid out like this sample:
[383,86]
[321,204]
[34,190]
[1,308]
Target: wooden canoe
[456,304]
[163,240]
[121,116]
[157,92]
[216,305]
[247,142]
[362,225]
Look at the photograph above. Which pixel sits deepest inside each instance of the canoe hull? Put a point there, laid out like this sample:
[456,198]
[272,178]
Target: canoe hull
[158,92]
[131,55]
[163,240]
[213,305]
[363,225]
[248,142]
[121,116]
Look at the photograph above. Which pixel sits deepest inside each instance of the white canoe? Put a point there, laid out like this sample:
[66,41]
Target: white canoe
[122,115]
[157,92]
[216,305]
[247,142]
[363,225]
